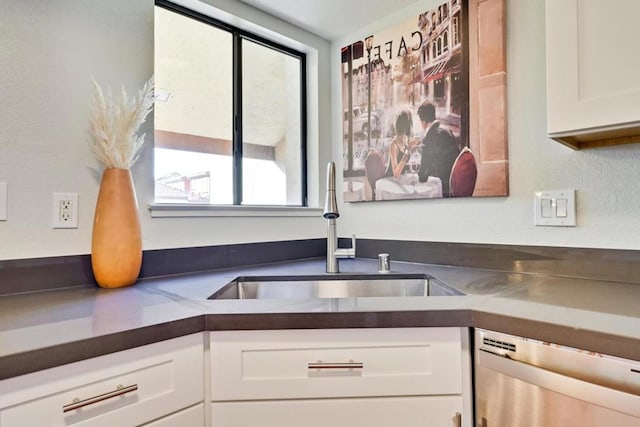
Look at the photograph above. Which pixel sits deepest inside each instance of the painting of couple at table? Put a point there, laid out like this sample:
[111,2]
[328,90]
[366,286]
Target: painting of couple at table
[406,99]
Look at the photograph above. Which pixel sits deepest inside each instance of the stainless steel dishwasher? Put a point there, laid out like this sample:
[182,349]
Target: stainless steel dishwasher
[521,382]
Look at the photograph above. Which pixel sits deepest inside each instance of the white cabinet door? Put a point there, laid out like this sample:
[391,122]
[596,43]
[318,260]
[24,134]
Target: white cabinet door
[341,377]
[126,388]
[191,417]
[405,411]
[592,69]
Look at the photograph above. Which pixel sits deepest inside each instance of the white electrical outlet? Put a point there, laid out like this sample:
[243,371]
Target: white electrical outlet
[65,210]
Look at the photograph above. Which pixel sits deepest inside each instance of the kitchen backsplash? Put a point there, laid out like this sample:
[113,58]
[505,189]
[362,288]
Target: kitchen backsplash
[37,274]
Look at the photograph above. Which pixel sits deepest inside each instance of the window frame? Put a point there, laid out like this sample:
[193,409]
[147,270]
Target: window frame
[239,34]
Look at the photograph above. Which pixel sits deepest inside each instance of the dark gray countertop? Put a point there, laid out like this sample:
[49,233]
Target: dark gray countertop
[46,329]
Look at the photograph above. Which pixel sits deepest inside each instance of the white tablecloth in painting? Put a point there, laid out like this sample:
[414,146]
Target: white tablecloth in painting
[353,191]
[408,187]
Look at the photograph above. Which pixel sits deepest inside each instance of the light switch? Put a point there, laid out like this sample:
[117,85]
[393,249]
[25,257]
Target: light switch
[555,208]
[561,208]
[545,206]
[3,201]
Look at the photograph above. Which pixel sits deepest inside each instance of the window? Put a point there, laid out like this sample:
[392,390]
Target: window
[230,114]
[455,25]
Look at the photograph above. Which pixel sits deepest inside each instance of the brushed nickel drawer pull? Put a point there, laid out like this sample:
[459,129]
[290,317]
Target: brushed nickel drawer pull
[119,391]
[336,365]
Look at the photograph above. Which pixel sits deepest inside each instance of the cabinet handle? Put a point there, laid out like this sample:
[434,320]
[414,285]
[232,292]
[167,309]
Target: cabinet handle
[119,391]
[458,419]
[336,365]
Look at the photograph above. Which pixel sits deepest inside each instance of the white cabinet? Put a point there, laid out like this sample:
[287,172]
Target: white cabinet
[340,377]
[127,388]
[354,377]
[189,417]
[404,411]
[592,72]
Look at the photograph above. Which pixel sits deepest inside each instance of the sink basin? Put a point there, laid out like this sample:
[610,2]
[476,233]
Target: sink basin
[342,286]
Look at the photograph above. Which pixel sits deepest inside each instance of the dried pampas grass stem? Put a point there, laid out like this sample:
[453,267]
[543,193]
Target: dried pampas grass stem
[114,122]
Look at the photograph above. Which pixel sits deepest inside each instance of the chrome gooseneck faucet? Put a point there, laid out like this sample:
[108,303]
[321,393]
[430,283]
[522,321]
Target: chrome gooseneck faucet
[331,214]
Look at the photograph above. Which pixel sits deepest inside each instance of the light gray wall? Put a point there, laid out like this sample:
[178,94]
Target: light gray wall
[607,180]
[49,50]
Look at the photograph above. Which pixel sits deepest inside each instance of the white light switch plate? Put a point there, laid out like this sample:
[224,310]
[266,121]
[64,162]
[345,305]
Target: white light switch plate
[3,201]
[563,208]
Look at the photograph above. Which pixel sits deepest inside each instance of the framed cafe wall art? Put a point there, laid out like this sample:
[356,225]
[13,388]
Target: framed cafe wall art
[424,106]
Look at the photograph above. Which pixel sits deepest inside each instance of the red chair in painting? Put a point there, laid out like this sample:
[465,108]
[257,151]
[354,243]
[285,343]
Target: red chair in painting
[374,169]
[464,173]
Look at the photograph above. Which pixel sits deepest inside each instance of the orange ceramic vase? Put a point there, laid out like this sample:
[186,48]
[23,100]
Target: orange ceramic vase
[116,244]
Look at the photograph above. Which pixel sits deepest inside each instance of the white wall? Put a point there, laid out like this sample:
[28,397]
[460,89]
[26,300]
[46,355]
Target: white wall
[48,52]
[607,180]
[49,49]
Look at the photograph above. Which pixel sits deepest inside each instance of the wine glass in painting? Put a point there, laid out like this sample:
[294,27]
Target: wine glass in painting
[414,163]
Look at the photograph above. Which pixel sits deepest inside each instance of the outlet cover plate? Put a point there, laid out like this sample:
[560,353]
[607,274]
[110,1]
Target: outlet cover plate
[3,201]
[65,210]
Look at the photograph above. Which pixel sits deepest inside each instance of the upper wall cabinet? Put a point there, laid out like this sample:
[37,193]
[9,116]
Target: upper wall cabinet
[593,88]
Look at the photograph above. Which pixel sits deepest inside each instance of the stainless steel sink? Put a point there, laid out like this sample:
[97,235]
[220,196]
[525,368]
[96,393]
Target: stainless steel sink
[342,286]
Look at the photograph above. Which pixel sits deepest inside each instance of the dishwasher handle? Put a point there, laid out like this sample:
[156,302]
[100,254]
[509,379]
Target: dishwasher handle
[596,394]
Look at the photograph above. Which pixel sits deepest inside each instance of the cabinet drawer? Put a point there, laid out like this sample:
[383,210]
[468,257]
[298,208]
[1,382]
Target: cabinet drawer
[249,365]
[406,411]
[158,379]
